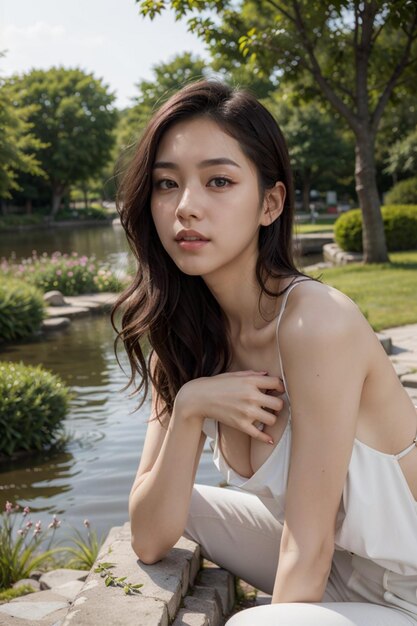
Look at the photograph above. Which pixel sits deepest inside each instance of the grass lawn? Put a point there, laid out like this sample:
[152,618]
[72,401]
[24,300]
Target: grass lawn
[306,229]
[386,293]
[323,224]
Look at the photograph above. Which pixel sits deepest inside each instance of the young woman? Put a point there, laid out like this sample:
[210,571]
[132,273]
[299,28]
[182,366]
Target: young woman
[306,414]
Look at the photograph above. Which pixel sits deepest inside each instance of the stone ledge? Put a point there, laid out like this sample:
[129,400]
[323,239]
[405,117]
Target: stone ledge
[167,595]
[337,256]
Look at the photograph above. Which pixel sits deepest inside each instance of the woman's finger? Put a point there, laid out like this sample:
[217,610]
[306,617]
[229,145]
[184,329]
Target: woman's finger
[260,436]
[271,402]
[269,382]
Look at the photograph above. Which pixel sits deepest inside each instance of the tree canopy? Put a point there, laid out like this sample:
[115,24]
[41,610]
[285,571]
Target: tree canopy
[71,114]
[17,144]
[350,53]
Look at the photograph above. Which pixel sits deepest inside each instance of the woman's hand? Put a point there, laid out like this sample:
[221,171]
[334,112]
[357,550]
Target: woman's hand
[236,399]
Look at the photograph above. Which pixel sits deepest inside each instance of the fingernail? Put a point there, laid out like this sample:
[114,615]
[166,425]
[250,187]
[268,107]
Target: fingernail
[271,441]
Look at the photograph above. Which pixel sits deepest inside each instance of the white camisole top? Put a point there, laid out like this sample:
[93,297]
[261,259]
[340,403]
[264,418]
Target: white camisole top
[377,517]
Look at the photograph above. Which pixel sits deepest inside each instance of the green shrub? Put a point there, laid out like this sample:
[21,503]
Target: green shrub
[94,211]
[71,274]
[11,221]
[21,309]
[348,230]
[33,403]
[400,225]
[404,192]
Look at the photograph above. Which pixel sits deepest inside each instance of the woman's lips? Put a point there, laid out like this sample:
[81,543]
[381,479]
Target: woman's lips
[190,239]
[195,244]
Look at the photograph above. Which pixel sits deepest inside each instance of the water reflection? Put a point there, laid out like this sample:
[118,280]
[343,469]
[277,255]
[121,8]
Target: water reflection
[105,242]
[93,476]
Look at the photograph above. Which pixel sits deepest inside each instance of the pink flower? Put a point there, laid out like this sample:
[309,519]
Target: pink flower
[59,272]
[70,274]
[21,532]
[86,523]
[55,523]
[26,511]
[9,507]
[29,524]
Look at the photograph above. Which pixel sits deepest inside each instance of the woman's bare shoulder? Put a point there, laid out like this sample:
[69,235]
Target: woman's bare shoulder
[315,310]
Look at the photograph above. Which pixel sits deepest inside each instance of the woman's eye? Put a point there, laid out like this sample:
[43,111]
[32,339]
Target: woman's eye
[219,182]
[165,183]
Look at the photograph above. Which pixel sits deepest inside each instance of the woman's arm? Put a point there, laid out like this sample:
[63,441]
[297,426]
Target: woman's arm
[160,495]
[320,338]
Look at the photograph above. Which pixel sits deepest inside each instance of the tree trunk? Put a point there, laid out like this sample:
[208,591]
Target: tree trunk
[306,191]
[373,235]
[84,188]
[57,194]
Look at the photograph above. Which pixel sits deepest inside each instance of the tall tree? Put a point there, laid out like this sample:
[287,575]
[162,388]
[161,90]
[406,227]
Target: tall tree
[167,78]
[354,53]
[73,115]
[319,149]
[18,145]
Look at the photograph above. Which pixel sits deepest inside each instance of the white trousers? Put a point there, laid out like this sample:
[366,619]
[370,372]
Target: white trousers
[238,532]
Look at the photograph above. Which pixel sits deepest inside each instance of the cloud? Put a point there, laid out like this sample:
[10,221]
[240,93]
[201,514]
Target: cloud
[46,44]
[16,35]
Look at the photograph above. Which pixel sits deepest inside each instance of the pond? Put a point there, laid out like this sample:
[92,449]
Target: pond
[93,476]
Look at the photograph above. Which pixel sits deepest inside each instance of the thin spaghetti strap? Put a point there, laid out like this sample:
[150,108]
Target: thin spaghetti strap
[407,450]
[281,311]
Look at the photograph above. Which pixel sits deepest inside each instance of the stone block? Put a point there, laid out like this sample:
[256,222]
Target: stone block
[58,577]
[51,619]
[161,581]
[28,581]
[190,618]
[34,606]
[55,323]
[111,607]
[401,369]
[223,582]
[385,342]
[54,298]
[205,600]
[166,580]
[262,598]
[87,302]
[69,590]
[66,311]
[409,380]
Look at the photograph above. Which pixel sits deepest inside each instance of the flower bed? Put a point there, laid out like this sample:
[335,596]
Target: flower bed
[71,274]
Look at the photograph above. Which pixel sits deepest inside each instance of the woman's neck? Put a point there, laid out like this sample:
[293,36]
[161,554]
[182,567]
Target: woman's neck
[240,297]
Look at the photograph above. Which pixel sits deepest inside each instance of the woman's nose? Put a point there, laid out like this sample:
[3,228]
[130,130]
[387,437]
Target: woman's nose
[187,206]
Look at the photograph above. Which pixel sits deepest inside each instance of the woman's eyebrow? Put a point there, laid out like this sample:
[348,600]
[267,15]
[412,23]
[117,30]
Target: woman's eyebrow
[206,163]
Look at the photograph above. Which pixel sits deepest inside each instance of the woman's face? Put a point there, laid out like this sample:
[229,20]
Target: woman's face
[205,199]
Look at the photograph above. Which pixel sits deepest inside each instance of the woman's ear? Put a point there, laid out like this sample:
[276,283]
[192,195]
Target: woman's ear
[273,203]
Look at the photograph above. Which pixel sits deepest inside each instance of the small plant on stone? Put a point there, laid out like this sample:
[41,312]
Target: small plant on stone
[110,580]
[86,552]
[19,554]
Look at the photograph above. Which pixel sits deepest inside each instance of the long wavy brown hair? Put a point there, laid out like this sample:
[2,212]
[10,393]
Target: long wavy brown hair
[176,313]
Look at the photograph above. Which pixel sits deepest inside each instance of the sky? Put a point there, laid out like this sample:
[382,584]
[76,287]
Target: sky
[105,37]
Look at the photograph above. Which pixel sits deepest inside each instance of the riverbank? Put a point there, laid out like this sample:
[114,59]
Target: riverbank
[178,588]
[62,309]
